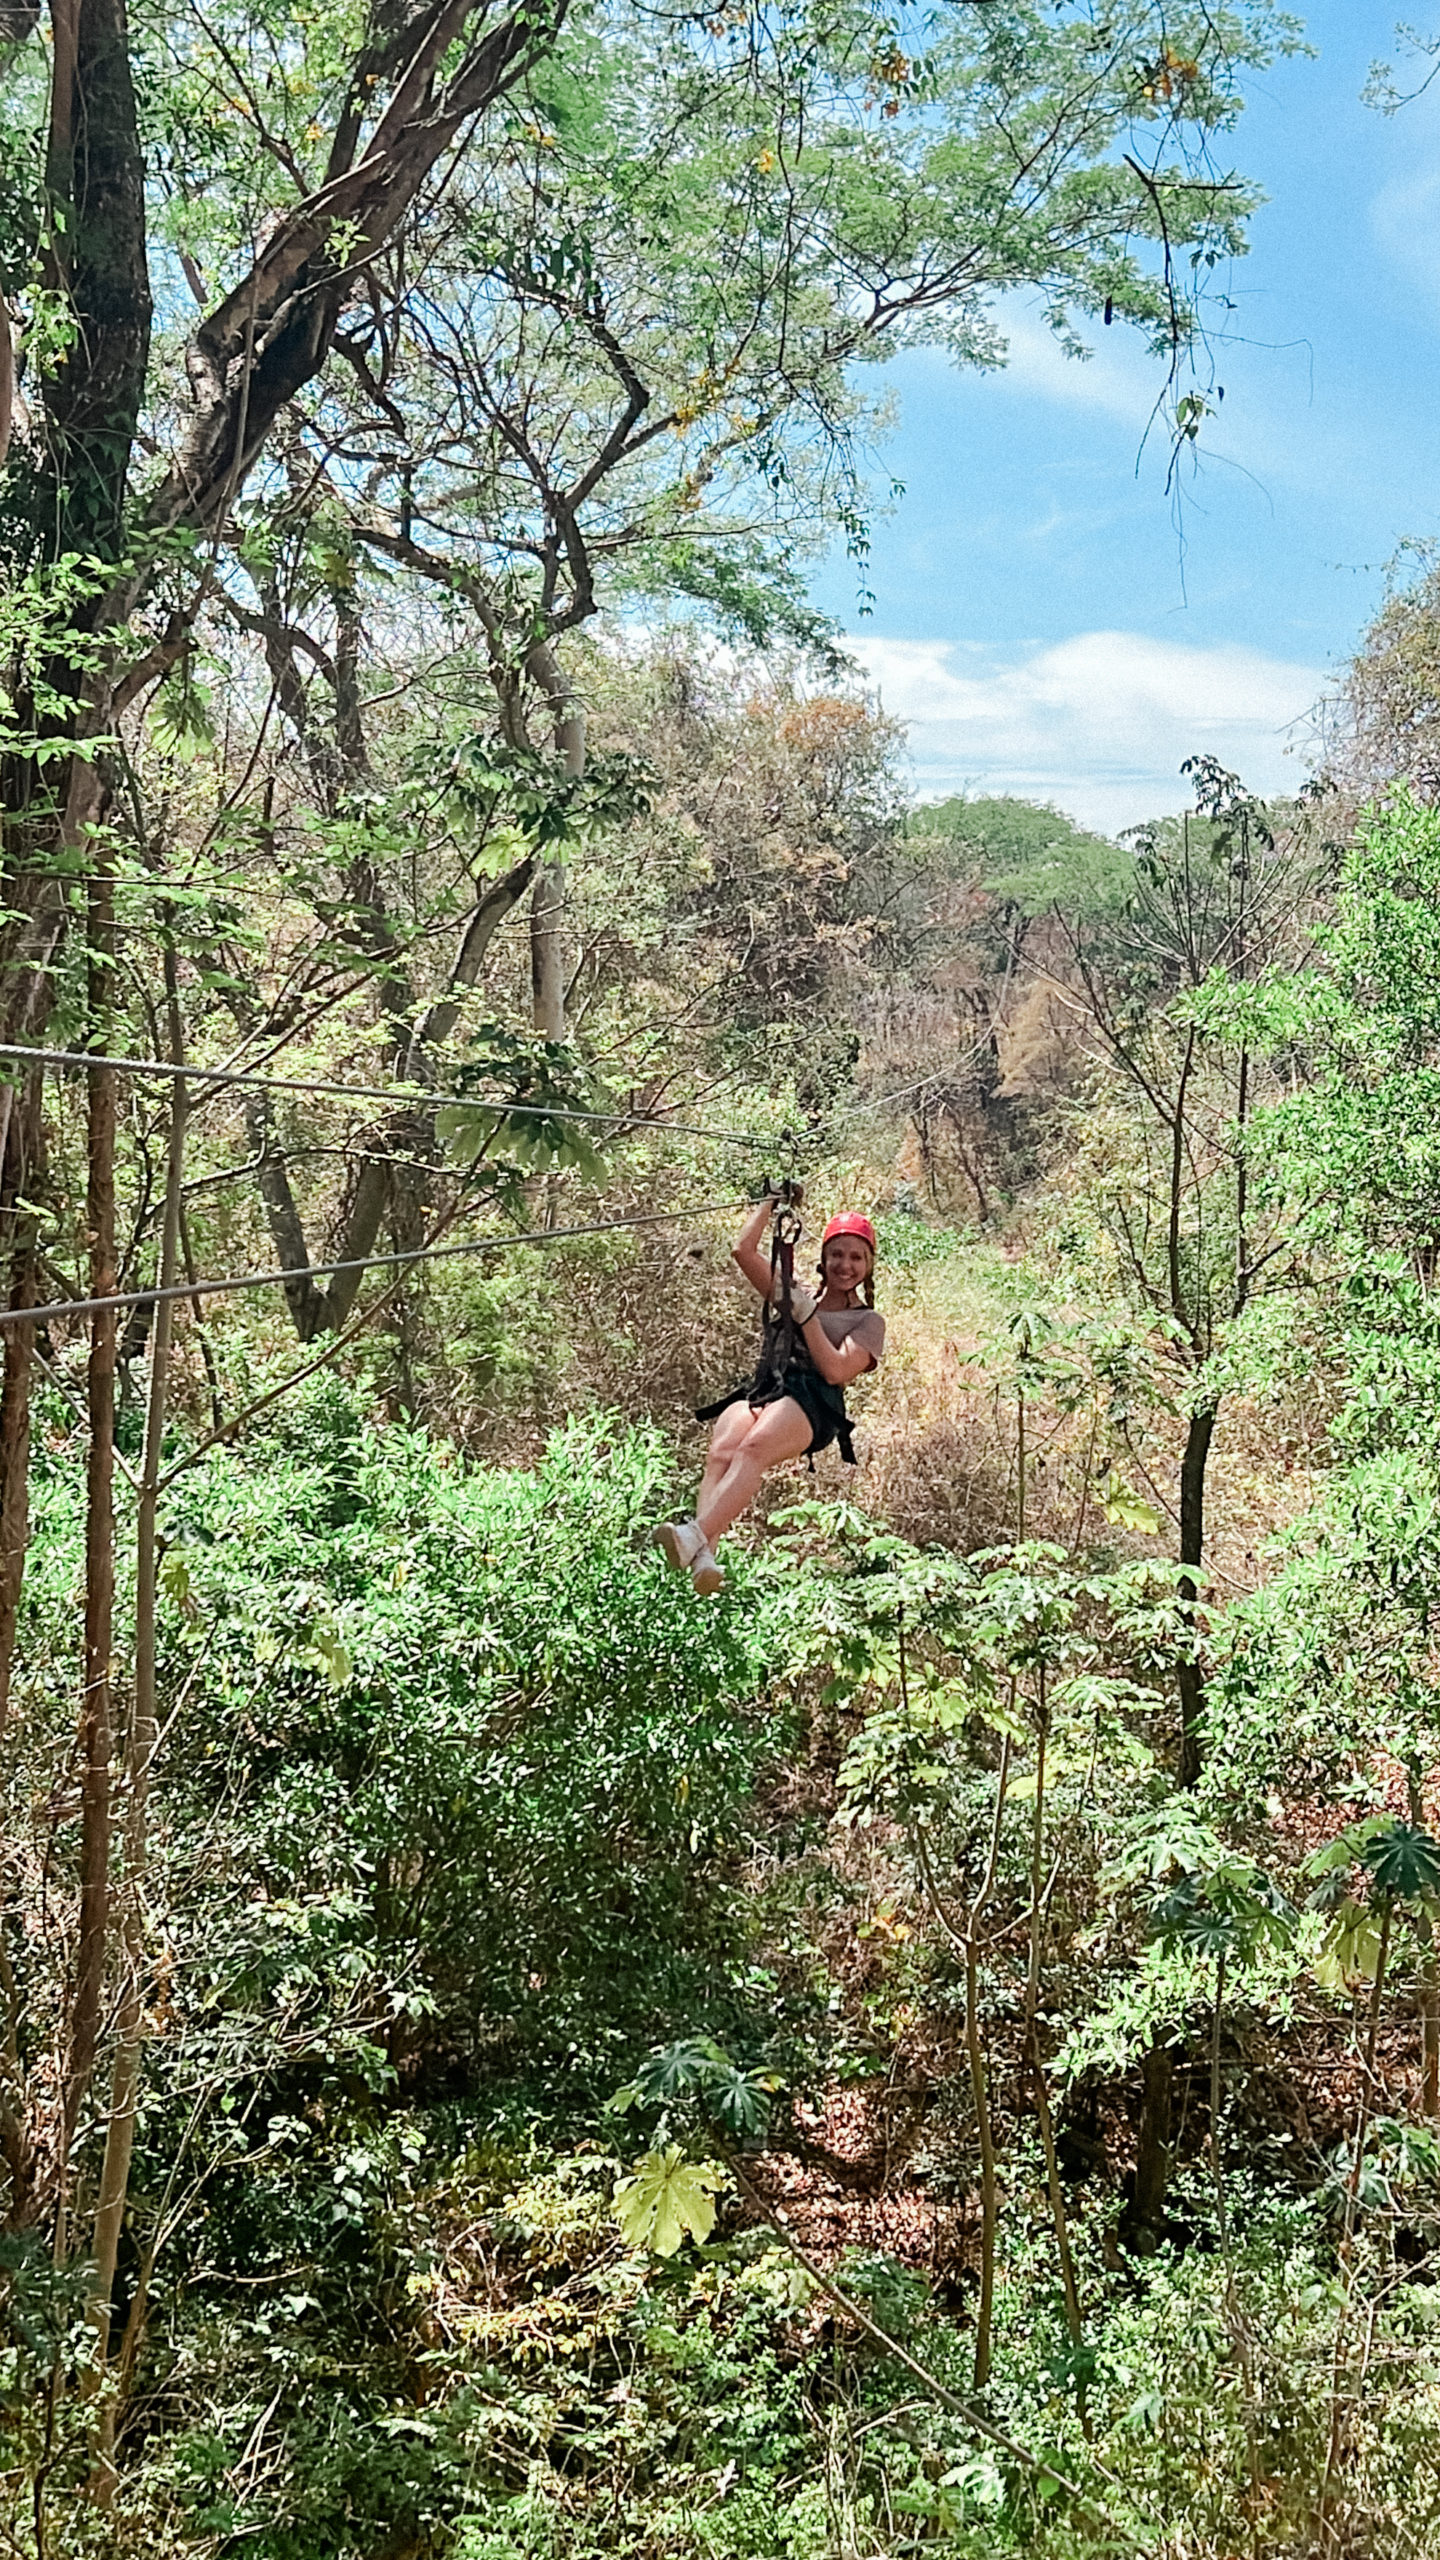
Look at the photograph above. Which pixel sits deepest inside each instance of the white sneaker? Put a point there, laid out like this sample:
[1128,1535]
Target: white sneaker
[679,1542]
[707,1576]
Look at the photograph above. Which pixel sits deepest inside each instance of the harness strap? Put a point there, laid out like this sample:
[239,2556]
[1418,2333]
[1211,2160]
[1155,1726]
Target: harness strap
[760,1391]
[782,1344]
[781,1341]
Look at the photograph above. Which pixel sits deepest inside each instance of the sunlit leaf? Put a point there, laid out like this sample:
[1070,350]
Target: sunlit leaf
[1350,1952]
[1126,1509]
[667,2199]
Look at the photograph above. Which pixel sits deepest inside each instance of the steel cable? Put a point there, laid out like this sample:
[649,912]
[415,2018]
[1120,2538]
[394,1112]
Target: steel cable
[193,1289]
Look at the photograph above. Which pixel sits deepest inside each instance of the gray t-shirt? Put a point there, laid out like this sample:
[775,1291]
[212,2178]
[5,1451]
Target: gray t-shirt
[865,1323]
[860,1324]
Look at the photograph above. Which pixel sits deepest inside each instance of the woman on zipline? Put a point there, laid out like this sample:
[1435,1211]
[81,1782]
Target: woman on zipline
[836,1337]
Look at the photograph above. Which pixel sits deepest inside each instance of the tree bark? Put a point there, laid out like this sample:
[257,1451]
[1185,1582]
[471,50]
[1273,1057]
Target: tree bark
[125,2086]
[989,2184]
[1034,2059]
[72,490]
[21,1154]
[547,899]
[95,1725]
[95,176]
[1152,2155]
[1424,1928]
[1192,1555]
[7,379]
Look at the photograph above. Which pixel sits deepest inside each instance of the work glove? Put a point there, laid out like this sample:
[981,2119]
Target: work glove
[802,1302]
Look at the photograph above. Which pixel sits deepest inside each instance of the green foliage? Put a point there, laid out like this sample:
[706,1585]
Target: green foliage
[491,779]
[695,2078]
[489,1704]
[667,2199]
[464,1811]
[1355,1143]
[1227,1913]
[1029,859]
[548,1080]
[1404,1862]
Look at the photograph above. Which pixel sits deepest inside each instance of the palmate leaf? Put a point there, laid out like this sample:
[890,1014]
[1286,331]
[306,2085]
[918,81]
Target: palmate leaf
[1232,1912]
[536,1137]
[696,2071]
[1404,1862]
[1350,1951]
[667,2199]
[1126,1509]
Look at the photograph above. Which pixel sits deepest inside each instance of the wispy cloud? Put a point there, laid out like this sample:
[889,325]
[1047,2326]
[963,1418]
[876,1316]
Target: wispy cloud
[1099,724]
[1268,430]
[1117,376]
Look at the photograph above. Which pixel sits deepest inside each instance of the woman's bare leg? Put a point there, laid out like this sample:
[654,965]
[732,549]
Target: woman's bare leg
[726,1441]
[774,1433]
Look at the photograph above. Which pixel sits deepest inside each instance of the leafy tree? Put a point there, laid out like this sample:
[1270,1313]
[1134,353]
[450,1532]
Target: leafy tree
[1213,901]
[647,276]
[484,1769]
[1385,727]
[989,876]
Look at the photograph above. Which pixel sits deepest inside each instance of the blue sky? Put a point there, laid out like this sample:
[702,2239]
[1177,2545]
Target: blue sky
[1040,623]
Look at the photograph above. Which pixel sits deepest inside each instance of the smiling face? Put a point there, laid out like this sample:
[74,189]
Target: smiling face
[845,1262]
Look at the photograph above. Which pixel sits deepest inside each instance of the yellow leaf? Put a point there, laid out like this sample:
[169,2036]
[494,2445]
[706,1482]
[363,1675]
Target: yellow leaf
[1351,1949]
[665,2199]
[1125,1509]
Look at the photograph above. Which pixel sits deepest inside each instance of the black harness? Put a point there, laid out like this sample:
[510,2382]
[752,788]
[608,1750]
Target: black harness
[785,1367]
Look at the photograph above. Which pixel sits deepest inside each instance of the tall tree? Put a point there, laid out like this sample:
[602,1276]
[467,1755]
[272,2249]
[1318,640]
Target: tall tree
[1212,900]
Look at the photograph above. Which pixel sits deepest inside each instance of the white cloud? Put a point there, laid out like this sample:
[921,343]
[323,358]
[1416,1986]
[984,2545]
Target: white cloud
[1118,376]
[1270,430]
[1402,218]
[1099,724]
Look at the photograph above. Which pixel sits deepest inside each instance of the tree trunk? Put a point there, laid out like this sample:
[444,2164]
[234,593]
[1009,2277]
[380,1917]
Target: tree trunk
[95,1727]
[15,1466]
[989,2185]
[1152,2156]
[125,2086]
[21,1155]
[415,84]
[1424,1928]
[547,898]
[379,1184]
[1034,2059]
[1192,1556]
[71,484]
[96,172]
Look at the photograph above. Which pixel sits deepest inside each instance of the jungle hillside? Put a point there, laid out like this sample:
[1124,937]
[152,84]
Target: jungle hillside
[934,2046]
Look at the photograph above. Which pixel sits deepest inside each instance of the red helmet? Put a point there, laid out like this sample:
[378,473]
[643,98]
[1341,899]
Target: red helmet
[851,1223]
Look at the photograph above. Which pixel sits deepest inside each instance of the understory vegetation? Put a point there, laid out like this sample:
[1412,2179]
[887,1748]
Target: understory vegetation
[940,2044]
[937,2045]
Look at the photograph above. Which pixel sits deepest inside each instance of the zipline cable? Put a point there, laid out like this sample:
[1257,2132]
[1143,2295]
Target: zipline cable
[122,1299]
[411,1094]
[426,1095]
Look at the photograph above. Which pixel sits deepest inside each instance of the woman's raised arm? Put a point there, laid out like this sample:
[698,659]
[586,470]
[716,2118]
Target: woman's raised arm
[746,1251]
